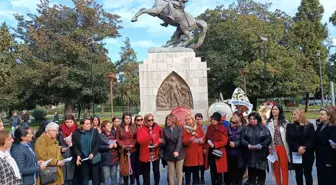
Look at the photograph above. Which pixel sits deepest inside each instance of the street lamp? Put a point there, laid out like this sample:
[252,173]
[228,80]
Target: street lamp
[90,42]
[264,39]
[111,77]
[244,72]
[331,43]
[318,54]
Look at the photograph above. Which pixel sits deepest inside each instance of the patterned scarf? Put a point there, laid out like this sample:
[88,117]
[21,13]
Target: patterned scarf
[68,131]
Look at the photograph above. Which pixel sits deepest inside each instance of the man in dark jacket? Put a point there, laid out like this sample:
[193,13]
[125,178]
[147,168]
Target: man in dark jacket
[25,118]
[15,121]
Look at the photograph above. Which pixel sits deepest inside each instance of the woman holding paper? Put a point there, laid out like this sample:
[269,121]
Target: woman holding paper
[47,148]
[174,152]
[193,139]
[325,137]
[215,149]
[109,152]
[67,128]
[86,143]
[300,139]
[126,139]
[256,138]
[278,149]
[149,137]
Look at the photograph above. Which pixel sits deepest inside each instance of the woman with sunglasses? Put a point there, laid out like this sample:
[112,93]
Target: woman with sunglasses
[256,138]
[149,137]
[138,122]
[236,162]
[193,139]
[325,148]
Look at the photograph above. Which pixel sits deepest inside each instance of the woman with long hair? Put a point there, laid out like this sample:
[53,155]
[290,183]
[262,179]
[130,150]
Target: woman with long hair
[193,140]
[216,140]
[149,137]
[68,127]
[109,151]
[24,155]
[277,125]
[325,148]
[95,121]
[86,143]
[300,139]
[256,138]
[126,139]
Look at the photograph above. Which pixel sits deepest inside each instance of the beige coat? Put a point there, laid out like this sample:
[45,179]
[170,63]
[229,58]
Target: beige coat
[45,149]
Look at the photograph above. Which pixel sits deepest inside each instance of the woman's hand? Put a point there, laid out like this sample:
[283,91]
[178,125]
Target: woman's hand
[302,150]
[176,154]
[78,162]
[91,156]
[212,145]
[232,144]
[270,151]
[60,163]
[111,146]
[42,167]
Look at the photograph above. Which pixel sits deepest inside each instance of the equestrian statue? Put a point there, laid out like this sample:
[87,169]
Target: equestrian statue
[172,13]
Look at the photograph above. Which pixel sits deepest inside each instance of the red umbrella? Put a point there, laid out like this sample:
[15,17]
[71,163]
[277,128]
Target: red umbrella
[181,112]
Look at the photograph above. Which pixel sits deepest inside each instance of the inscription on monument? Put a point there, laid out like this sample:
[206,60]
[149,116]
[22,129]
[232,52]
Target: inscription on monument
[173,92]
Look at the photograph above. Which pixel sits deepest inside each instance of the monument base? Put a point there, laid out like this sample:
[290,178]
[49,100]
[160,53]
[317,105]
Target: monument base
[172,77]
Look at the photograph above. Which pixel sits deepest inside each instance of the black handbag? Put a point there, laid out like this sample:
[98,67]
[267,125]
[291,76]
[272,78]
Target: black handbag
[48,175]
[217,153]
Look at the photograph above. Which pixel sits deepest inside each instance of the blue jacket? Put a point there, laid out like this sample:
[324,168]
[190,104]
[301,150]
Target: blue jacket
[26,162]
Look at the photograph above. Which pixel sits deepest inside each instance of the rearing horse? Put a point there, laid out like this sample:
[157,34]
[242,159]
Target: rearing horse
[184,22]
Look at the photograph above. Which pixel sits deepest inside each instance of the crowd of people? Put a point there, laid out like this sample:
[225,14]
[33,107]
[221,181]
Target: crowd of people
[95,152]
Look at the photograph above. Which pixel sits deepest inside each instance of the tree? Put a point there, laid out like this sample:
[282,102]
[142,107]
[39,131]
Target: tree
[234,42]
[333,19]
[56,58]
[128,66]
[308,35]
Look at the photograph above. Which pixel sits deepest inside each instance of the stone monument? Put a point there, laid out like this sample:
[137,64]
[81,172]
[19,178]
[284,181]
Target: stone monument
[172,77]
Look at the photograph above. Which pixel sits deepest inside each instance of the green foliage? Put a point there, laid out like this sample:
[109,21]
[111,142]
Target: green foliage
[333,19]
[39,115]
[57,61]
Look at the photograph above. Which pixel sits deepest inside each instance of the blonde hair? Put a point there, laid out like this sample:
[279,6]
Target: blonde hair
[191,117]
[302,116]
[146,118]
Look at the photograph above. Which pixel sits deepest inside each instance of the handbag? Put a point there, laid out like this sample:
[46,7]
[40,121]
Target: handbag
[124,169]
[48,175]
[96,158]
[217,153]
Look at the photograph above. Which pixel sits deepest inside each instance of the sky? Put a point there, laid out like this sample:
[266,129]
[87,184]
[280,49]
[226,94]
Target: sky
[147,32]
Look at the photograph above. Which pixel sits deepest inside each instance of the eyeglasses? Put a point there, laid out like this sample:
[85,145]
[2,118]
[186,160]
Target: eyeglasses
[139,119]
[54,130]
[150,120]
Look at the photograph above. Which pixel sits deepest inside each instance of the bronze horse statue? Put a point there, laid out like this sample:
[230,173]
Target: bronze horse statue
[177,17]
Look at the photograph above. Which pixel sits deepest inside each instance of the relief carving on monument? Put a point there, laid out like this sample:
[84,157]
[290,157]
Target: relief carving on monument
[173,92]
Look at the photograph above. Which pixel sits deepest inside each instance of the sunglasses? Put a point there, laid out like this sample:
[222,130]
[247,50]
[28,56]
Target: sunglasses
[139,119]
[150,120]
[234,122]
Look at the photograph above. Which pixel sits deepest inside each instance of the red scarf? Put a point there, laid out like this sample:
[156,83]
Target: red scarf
[67,131]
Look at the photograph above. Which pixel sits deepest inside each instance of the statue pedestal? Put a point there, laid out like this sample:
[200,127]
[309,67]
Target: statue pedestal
[172,77]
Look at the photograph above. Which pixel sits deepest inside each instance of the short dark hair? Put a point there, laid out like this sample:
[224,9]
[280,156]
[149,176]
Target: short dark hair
[217,116]
[4,134]
[256,116]
[20,132]
[198,115]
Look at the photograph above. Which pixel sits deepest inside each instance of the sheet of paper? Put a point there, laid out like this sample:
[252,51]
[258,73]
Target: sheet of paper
[272,157]
[151,146]
[67,160]
[112,142]
[69,138]
[45,163]
[297,158]
[198,140]
[85,159]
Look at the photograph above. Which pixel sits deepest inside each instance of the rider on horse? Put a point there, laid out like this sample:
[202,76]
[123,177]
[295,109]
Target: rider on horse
[176,5]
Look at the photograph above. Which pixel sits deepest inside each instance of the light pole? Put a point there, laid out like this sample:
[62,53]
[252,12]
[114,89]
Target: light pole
[90,42]
[264,40]
[244,72]
[331,43]
[318,54]
[111,77]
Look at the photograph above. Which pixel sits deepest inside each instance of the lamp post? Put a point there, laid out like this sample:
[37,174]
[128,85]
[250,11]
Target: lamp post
[264,39]
[111,77]
[90,42]
[318,54]
[244,72]
[331,43]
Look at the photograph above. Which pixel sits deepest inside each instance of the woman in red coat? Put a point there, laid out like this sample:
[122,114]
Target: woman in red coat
[149,138]
[216,139]
[193,139]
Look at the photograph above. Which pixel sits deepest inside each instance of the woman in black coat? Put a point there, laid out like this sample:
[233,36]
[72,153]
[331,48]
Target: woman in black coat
[256,138]
[300,139]
[325,135]
[86,143]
